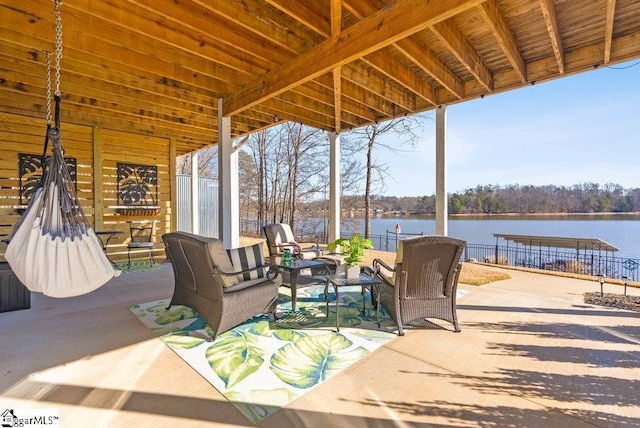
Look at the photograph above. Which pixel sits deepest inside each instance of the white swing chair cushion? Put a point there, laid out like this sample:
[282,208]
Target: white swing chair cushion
[54,266]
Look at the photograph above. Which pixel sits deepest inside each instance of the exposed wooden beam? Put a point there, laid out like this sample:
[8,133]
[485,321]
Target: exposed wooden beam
[430,64]
[352,112]
[310,14]
[140,33]
[402,74]
[414,50]
[496,23]
[458,44]
[353,88]
[549,13]
[387,97]
[400,19]
[242,13]
[608,30]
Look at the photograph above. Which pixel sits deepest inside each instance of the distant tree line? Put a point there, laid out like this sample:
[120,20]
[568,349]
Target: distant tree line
[494,199]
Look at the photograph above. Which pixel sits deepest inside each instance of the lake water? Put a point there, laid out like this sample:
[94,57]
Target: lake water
[621,231]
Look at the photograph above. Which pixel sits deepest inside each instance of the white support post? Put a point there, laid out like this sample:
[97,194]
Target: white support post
[334,186]
[195,198]
[442,209]
[228,199]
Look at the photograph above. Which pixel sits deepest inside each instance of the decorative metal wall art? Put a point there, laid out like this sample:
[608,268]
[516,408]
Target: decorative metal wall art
[30,174]
[137,185]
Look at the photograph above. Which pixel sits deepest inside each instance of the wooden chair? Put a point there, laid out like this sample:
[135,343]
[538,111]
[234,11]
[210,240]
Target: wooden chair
[225,287]
[140,237]
[423,282]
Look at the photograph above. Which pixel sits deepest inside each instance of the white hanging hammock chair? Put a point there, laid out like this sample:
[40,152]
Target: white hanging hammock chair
[53,249]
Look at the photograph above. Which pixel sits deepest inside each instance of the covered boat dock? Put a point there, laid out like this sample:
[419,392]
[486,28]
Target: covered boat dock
[592,255]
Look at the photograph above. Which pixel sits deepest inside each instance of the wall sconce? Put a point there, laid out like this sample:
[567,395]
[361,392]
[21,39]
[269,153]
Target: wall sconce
[276,119]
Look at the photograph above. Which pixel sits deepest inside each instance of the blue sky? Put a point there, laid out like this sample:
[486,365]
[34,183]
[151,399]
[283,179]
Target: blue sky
[582,128]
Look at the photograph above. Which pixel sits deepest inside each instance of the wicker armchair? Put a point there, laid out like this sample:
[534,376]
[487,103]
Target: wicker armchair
[207,281]
[423,282]
[280,236]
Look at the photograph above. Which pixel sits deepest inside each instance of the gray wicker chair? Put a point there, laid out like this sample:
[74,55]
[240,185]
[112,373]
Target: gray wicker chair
[206,281]
[423,282]
[280,236]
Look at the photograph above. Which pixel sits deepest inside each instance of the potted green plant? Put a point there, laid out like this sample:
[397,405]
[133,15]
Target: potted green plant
[353,248]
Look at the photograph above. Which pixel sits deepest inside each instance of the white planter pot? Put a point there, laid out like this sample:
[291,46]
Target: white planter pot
[352,272]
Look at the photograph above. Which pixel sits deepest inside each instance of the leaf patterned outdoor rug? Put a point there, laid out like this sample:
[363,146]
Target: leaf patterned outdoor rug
[262,365]
[140,266]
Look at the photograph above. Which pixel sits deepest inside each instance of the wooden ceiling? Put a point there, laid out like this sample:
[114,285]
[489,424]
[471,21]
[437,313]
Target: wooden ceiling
[161,67]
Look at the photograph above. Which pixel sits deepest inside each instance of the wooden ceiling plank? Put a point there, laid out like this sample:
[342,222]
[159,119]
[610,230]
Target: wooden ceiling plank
[119,44]
[496,23]
[135,30]
[182,91]
[292,112]
[256,16]
[402,75]
[428,62]
[625,48]
[460,47]
[81,89]
[400,19]
[350,88]
[387,93]
[350,107]
[550,20]
[307,13]
[608,31]
[203,25]
[346,87]
[415,51]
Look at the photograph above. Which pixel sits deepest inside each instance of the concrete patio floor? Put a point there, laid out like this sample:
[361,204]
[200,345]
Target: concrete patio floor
[530,353]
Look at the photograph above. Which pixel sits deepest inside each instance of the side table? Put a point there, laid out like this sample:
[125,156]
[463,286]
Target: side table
[294,269]
[340,280]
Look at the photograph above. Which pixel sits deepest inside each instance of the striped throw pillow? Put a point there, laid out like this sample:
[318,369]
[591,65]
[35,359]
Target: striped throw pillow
[245,258]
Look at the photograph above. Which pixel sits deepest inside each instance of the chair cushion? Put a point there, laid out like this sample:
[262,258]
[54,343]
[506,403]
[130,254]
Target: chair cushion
[220,259]
[140,245]
[386,274]
[245,258]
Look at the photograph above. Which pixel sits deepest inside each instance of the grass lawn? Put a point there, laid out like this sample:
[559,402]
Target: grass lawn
[471,273]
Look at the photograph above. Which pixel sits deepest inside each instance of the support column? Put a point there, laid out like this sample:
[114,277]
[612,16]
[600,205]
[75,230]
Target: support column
[334,186]
[195,195]
[228,187]
[442,209]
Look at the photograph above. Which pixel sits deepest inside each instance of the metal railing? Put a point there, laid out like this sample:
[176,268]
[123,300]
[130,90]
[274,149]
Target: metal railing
[386,242]
[556,259]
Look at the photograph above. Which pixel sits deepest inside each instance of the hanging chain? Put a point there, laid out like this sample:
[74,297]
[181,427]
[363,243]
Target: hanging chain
[47,55]
[56,10]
